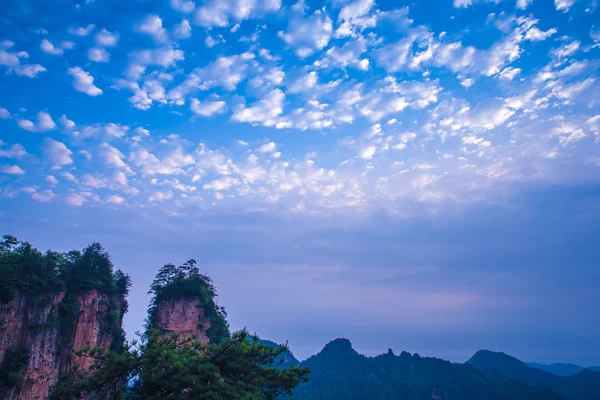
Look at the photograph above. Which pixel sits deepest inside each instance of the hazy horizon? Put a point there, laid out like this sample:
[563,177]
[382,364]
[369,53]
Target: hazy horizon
[371,170]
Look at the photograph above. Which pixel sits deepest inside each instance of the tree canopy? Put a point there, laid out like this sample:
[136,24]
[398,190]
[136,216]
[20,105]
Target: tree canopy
[178,368]
[26,269]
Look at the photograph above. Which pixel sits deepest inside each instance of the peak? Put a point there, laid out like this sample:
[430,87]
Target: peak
[339,343]
[490,354]
[338,346]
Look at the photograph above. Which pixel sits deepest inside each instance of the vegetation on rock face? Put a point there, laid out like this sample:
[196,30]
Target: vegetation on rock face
[186,282]
[25,269]
[15,358]
[231,366]
[37,276]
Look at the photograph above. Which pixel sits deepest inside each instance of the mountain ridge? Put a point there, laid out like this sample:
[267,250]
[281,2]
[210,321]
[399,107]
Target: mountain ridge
[339,372]
[562,369]
[583,385]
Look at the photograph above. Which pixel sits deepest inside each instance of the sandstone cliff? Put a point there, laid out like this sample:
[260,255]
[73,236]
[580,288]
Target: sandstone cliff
[184,316]
[47,328]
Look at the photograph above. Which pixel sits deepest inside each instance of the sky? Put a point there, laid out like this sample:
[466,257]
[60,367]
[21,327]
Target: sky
[421,176]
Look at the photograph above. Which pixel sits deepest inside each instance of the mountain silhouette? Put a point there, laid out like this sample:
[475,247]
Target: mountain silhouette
[561,369]
[339,372]
[580,386]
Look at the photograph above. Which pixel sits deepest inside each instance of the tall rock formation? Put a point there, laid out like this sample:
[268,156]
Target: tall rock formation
[184,316]
[48,329]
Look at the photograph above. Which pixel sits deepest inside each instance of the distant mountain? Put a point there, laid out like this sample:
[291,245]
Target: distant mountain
[580,386]
[338,372]
[561,369]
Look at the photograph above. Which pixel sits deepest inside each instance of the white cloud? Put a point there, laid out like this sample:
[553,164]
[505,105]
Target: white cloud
[4,114]
[13,62]
[368,152]
[57,153]
[113,157]
[264,111]
[115,199]
[44,123]
[267,147]
[105,38]
[29,70]
[65,122]
[165,57]
[104,131]
[97,54]
[347,55]
[84,82]
[152,26]
[224,183]
[219,13]
[563,5]
[12,170]
[489,114]
[45,196]
[226,72]
[51,179]
[160,196]
[509,73]
[26,124]
[183,6]
[207,108]
[523,4]
[75,199]
[357,8]
[171,164]
[82,31]
[67,45]
[183,30]
[94,181]
[49,48]
[14,151]
[567,49]
[305,82]
[308,34]
[535,34]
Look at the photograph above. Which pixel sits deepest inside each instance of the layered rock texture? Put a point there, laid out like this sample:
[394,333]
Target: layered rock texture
[49,329]
[183,316]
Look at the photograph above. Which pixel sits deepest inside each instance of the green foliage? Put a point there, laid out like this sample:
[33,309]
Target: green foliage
[181,369]
[186,282]
[15,358]
[26,270]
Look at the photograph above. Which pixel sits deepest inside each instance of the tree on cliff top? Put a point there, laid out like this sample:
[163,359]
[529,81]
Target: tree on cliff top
[233,366]
[26,269]
[186,282]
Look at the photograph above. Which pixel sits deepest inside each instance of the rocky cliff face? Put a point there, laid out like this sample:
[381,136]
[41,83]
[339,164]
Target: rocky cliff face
[37,324]
[185,316]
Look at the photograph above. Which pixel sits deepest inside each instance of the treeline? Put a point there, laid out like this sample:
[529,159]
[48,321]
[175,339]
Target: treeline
[25,269]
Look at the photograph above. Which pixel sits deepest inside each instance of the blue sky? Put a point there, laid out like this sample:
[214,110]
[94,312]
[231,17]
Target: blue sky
[417,175]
